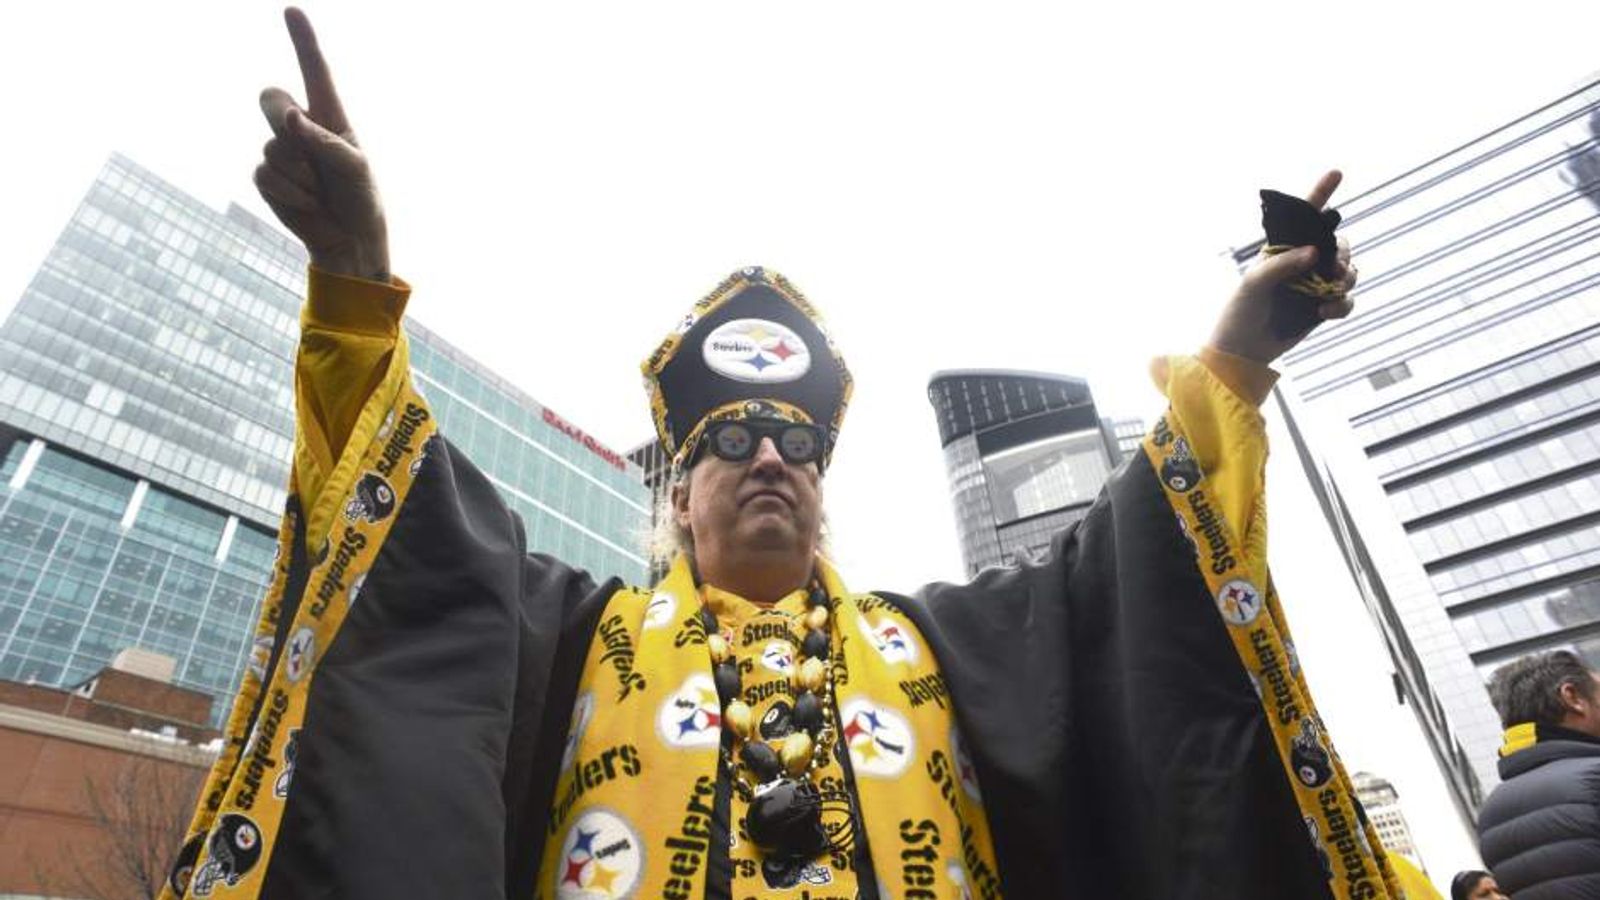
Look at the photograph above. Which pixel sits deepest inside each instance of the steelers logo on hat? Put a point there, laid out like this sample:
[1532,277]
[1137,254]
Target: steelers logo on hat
[753,344]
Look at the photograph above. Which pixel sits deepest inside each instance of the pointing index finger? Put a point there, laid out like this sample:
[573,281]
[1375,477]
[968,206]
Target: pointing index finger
[321,97]
[1326,185]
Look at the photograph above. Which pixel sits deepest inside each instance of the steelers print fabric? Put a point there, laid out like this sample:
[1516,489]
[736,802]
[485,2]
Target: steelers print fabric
[634,800]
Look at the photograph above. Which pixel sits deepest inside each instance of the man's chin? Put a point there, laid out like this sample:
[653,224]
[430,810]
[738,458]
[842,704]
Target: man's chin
[771,533]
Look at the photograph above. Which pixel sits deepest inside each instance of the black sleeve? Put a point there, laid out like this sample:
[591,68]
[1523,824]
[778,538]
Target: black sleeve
[422,714]
[1120,747]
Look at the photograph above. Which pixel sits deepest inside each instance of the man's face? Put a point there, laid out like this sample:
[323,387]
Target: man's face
[1584,711]
[1487,889]
[757,508]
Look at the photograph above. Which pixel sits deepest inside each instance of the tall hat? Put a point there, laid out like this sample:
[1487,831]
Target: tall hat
[753,348]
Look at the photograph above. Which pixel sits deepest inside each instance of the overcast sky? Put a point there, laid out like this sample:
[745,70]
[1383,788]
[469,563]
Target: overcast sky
[1034,186]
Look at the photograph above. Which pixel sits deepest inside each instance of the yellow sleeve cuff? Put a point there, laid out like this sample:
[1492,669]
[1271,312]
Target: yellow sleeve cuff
[1227,435]
[353,305]
[1249,380]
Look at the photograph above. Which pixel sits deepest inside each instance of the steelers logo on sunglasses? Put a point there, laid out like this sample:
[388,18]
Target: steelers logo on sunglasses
[736,441]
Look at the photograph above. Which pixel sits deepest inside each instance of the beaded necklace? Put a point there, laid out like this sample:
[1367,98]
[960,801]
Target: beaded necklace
[785,805]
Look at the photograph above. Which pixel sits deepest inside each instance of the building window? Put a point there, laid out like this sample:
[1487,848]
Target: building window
[1389,375]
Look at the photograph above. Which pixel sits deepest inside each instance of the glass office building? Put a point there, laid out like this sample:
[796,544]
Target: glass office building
[146,429]
[1452,425]
[1025,453]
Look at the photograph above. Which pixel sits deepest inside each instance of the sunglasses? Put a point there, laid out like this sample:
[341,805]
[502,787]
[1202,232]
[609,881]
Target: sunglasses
[736,441]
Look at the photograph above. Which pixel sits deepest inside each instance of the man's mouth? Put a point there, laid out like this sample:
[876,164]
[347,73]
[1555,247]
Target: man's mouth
[769,492]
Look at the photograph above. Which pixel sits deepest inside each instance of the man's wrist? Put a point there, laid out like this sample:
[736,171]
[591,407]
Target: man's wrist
[369,263]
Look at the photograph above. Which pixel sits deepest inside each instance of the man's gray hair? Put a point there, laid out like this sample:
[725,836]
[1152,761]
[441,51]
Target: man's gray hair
[668,538]
[1529,689]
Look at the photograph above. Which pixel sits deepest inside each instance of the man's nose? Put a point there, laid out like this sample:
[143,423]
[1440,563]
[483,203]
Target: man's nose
[767,455]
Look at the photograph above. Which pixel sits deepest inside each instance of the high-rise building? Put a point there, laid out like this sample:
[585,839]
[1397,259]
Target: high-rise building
[146,428]
[655,467]
[1451,426]
[1127,434]
[1025,452]
[1382,804]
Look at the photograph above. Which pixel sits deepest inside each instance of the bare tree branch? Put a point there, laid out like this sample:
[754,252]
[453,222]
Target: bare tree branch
[141,813]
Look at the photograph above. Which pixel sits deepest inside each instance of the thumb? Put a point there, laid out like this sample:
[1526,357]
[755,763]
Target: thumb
[1286,266]
[319,143]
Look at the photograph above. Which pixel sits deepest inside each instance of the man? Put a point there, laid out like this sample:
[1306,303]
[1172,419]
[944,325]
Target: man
[1539,831]
[1124,718]
[1475,884]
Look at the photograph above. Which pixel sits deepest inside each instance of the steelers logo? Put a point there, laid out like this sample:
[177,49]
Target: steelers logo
[582,712]
[601,857]
[183,870]
[302,651]
[778,656]
[756,351]
[692,715]
[879,739]
[1239,602]
[659,611]
[893,641]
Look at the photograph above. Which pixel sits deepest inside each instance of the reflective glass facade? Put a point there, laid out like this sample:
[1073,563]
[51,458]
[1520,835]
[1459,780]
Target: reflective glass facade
[1025,453]
[1453,423]
[146,429]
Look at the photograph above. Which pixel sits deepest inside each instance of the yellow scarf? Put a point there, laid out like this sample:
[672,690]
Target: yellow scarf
[633,807]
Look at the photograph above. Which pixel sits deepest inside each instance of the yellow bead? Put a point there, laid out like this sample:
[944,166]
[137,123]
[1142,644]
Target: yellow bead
[817,618]
[796,753]
[811,675]
[718,646]
[740,718]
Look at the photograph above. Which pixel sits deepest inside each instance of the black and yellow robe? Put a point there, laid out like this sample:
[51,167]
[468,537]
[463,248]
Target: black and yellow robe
[1126,748]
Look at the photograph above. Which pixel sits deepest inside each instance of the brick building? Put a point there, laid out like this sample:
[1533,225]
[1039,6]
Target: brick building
[97,782]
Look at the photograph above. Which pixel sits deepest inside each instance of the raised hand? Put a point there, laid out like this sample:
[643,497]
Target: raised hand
[1245,328]
[313,173]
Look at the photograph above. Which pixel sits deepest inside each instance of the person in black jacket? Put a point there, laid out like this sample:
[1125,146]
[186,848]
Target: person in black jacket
[1539,831]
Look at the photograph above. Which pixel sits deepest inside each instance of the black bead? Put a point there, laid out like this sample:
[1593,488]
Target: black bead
[761,760]
[818,597]
[785,820]
[708,620]
[815,644]
[726,675]
[808,712]
[778,723]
